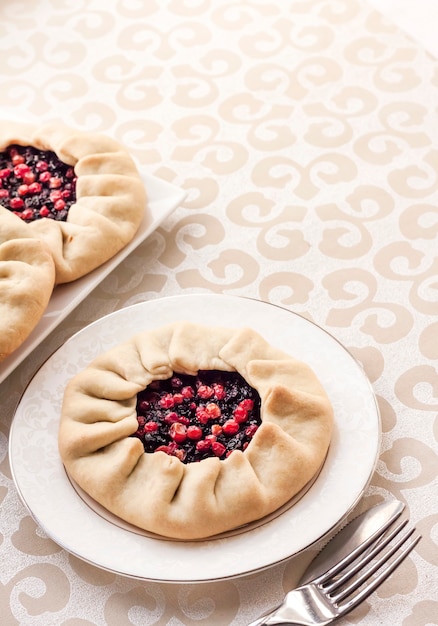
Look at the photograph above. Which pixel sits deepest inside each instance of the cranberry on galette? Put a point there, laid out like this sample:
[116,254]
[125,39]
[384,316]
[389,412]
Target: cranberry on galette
[78,192]
[188,431]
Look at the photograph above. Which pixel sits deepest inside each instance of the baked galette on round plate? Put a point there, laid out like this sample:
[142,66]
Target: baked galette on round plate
[188,431]
[79,192]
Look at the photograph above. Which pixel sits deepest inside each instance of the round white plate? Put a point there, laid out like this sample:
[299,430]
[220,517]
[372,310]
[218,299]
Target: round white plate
[68,518]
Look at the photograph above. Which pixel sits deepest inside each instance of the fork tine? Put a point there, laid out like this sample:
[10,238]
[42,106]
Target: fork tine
[409,540]
[376,564]
[359,550]
[366,556]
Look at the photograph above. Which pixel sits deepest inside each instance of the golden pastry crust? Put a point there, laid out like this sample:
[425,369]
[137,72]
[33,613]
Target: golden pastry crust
[158,492]
[110,197]
[27,278]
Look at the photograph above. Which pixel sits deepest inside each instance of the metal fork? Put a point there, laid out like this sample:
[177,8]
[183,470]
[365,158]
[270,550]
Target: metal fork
[346,584]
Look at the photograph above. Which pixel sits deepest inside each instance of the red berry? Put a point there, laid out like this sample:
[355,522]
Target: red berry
[5,172]
[41,166]
[187,392]
[180,454]
[17,159]
[171,417]
[16,203]
[240,414]
[44,177]
[194,432]
[59,205]
[28,178]
[21,169]
[182,419]
[35,188]
[202,415]
[165,449]
[216,430]
[219,391]
[178,432]
[203,445]
[55,195]
[4,193]
[178,398]
[144,406]
[150,427]
[247,404]
[27,214]
[231,427]
[251,430]
[218,448]
[213,410]
[23,190]
[205,392]
[172,447]
[166,402]
[55,182]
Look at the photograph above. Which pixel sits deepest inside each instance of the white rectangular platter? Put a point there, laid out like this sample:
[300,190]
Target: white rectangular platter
[163,199]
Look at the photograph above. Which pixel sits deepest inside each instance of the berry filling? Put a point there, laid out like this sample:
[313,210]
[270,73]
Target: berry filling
[35,183]
[195,417]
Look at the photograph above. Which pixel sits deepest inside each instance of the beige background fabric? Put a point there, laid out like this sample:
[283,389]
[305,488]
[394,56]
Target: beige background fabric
[305,134]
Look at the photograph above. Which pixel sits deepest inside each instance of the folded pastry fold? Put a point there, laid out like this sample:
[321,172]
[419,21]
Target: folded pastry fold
[110,197]
[27,278]
[159,493]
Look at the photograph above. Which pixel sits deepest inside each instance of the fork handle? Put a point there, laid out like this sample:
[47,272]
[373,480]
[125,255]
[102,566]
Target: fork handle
[261,621]
[272,619]
[294,611]
[301,607]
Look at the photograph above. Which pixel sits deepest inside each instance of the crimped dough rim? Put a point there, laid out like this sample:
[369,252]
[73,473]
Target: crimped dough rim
[27,279]
[159,493]
[110,197]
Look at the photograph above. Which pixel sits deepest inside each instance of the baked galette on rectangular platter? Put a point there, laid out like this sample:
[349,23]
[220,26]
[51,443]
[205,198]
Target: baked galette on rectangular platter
[69,201]
[79,192]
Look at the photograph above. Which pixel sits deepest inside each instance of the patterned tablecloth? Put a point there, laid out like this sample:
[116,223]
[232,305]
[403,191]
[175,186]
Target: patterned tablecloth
[305,134]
